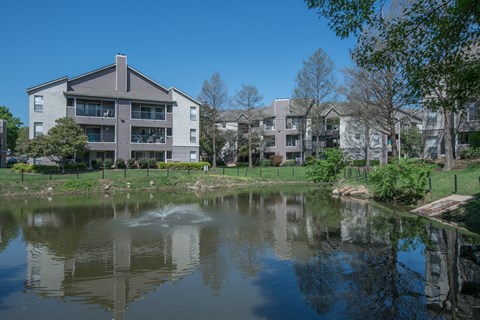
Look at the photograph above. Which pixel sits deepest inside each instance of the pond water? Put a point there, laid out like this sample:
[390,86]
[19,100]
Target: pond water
[285,253]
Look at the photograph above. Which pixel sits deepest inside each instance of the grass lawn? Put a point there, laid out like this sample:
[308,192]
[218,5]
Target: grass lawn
[11,182]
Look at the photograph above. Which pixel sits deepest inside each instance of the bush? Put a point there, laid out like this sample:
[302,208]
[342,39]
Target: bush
[120,164]
[309,159]
[289,163]
[97,163]
[152,163]
[405,181]
[142,163]
[242,164]
[276,160]
[108,163]
[363,163]
[131,163]
[266,163]
[76,166]
[326,170]
[183,165]
[470,153]
[18,167]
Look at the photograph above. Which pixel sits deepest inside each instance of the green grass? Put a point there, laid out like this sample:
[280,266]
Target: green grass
[11,183]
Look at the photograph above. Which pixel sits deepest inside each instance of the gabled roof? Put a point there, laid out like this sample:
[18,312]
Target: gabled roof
[92,72]
[149,79]
[65,78]
[184,94]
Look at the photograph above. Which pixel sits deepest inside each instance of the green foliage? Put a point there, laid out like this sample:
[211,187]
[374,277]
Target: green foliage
[120,164]
[142,163]
[266,163]
[79,185]
[63,140]
[474,139]
[22,141]
[289,163]
[152,163]
[97,163]
[13,126]
[35,168]
[470,153]
[405,181]
[108,163]
[131,163]
[276,160]
[412,142]
[76,166]
[326,170]
[363,163]
[183,165]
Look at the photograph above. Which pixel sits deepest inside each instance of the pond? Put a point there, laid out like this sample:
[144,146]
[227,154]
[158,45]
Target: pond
[280,253]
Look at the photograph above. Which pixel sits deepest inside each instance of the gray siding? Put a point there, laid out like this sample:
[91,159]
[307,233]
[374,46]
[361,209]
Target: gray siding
[102,79]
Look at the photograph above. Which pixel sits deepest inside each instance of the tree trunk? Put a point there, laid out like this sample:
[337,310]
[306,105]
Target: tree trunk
[449,160]
[214,147]
[250,162]
[394,141]
[367,147]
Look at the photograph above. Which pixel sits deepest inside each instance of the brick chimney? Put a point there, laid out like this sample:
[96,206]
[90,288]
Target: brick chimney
[121,74]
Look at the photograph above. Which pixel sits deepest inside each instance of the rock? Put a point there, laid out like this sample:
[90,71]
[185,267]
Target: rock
[152,183]
[106,187]
[336,192]
[199,185]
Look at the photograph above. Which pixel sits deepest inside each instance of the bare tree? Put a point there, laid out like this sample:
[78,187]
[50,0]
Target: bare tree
[361,140]
[377,96]
[248,98]
[214,95]
[315,83]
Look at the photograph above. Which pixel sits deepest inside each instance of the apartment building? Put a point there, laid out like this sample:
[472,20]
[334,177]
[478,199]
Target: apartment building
[124,114]
[3,143]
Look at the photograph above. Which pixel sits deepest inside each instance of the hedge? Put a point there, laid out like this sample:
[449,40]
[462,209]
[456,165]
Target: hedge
[36,168]
[183,165]
[363,163]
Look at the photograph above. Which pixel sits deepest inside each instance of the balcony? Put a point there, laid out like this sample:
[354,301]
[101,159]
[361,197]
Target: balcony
[145,138]
[97,137]
[148,115]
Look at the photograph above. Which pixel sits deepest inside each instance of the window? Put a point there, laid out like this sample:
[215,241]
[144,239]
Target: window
[169,155]
[70,102]
[95,108]
[473,112]
[38,103]
[193,156]
[431,143]
[293,122]
[269,124]
[269,141]
[431,117]
[193,113]
[193,135]
[169,132]
[37,129]
[293,140]
[152,112]
[169,108]
[147,135]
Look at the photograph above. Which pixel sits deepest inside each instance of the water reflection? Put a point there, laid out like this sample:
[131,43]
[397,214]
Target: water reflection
[296,252]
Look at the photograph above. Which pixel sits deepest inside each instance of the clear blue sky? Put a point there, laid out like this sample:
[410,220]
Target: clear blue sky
[176,43]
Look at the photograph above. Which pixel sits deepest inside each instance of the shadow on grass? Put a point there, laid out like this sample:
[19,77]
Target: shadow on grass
[468,215]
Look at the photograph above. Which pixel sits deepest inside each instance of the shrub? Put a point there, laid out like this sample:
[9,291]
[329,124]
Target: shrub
[276,160]
[152,163]
[131,163]
[142,163]
[325,170]
[18,167]
[108,163]
[405,181]
[120,164]
[76,166]
[97,163]
[266,162]
[363,163]
[183,165]
[289,163]
[309,159]
[470,153]
[242,164]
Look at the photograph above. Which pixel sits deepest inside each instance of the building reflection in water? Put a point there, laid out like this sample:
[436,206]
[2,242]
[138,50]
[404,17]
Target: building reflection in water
[348,254]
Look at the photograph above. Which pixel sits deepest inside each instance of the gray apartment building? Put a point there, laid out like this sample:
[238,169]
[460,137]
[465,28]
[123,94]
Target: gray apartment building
[3,143]
[124,113]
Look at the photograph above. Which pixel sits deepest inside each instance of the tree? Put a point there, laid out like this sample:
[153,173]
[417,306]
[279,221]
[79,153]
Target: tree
[314,84]
[377,97]
[214,95]
[435,41]
[22,141]
[412,142]
[248,98]
[63,140]
[13,126]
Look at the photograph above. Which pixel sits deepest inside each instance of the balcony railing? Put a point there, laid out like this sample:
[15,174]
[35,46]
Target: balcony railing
[97,137]
[138,138]
[96,112]
[294,143]
[149,115]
